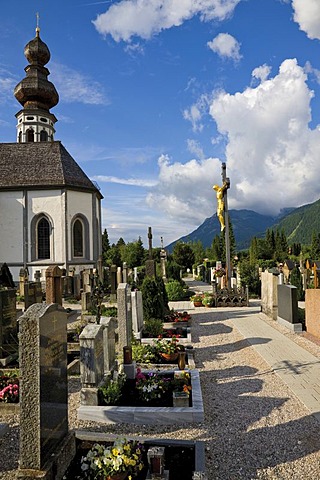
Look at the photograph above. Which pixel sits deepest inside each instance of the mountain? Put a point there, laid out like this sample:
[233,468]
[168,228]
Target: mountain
[245,223]
[297,223]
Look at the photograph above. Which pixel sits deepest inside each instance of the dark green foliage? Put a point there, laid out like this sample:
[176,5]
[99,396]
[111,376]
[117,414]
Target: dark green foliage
[111,392]
[315,246]
[154,298]
[175,291]
[153,327]
[183,255]
[296,280]
[133,253]
[173,270]
[249,275]
[105,246]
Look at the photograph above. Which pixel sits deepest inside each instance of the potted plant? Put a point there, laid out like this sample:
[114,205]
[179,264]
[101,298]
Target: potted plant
[115,462]
[168,349]
[197,299]
[208,301]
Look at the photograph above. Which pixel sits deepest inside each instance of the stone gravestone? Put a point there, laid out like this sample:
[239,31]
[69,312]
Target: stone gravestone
[32,294]
[91,362]
[54,285]
[45,444]
[124,319]
[125,272]
[288,308]
[109,343]
[150,263]
[8,326]
[113,279]
[137,313]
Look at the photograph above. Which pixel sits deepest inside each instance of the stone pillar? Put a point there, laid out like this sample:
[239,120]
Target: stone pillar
[119,276]
[137,313]
[54,285]
[124,272]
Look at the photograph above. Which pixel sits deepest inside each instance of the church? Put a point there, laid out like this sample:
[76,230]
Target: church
[50,211]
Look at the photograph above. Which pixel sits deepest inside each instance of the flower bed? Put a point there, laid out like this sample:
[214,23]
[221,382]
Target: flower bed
[149,415]
[148,389]
[182,457]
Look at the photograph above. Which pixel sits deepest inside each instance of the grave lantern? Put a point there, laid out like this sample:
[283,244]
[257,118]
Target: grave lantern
[156,462]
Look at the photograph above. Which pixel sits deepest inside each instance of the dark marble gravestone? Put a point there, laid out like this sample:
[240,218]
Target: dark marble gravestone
[44,389]
[8,325]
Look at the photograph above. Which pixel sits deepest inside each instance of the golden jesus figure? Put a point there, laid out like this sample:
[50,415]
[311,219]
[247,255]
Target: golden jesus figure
[220,203]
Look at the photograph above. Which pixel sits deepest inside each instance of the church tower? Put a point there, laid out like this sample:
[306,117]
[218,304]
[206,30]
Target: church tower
[50,211]
[36,95]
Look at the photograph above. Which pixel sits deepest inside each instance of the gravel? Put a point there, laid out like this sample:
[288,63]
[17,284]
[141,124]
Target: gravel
[254,427]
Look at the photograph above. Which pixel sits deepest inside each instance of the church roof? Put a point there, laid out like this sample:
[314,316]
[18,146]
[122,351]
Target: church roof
[40,165]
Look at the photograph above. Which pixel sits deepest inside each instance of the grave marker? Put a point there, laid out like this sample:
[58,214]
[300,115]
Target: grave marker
[44,391]
[8,326]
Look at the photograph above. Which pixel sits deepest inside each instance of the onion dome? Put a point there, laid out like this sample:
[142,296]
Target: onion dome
[35,90]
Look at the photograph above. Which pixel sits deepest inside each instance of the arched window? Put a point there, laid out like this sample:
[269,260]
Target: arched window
[43,136]
[43,239]
[20,137]
[30,135]
[78,249]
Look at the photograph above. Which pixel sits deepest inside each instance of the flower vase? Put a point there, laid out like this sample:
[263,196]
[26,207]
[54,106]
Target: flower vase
[169,357]
[117,476]
[197,304]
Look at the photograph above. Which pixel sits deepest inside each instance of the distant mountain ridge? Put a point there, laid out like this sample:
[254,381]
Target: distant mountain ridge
[297,223]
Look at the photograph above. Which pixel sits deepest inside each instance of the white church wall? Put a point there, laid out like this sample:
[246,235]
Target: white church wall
[11,227]
[79,203]
[51,203]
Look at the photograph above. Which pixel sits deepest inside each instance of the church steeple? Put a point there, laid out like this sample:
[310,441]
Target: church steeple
[36,94]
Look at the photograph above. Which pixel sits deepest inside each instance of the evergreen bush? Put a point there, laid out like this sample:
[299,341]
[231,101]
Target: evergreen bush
[175,291]
[154,298]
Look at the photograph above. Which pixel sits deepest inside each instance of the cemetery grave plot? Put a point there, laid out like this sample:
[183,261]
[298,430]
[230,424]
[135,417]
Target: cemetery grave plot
[162,415]
[181,457]
[147,389]
[146,354]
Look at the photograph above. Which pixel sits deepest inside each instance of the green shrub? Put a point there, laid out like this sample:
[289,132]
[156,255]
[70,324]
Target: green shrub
[143,352]
[153,327]
[154,298]
[175,291]
[110,393]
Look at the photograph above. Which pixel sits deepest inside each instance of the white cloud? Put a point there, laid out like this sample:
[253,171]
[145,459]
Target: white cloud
[307,15]
[137,182]
[185,190]
[73,86]
[7,84]
[261,73]
[272,154]
[225,45]
[195,113]
[195,148]
[145,18]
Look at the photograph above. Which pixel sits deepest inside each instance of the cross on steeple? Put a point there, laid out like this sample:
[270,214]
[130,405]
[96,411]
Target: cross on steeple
[38,21]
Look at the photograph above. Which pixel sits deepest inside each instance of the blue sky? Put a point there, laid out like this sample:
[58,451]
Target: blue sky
[154,94]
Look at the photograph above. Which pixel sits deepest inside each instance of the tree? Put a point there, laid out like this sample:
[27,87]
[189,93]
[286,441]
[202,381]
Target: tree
[249,275]
[105,245]
[198,250]
[133,253]
[296,280]
[216,251]
[183,255]
[315,246]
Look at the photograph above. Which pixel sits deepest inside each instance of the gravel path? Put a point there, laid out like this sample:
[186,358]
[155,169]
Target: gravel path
[254,428]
